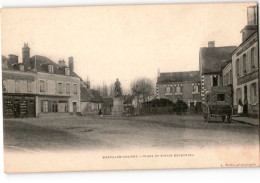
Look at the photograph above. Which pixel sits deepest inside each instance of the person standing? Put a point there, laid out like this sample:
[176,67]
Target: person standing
[240,107]
[245,108]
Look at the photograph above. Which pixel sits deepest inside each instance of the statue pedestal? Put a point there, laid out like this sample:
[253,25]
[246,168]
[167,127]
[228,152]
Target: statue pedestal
[118,107]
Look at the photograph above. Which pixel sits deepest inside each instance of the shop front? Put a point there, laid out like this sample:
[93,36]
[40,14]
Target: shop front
[52,106]
[18,106]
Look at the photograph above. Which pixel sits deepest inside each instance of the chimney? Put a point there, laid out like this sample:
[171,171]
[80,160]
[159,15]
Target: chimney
[61,63]
[251,26]
[26,52]
[251,15]
[211,44]
[71,64]
[13,59]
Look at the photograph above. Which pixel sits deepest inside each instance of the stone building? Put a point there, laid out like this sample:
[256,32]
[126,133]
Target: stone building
[245,65]
[19,89]
[179,85]
[210,62]
[54,89]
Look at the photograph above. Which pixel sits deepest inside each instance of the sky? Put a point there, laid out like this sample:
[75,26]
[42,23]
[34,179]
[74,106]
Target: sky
[125,42]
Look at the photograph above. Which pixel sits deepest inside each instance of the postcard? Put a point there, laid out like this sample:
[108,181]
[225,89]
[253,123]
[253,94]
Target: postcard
[129,87]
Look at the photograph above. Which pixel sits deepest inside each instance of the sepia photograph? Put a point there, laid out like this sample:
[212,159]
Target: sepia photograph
[124,87]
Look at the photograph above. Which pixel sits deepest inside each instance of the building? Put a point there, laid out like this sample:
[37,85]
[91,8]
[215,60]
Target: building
[19,89]
[52,88]
[91,101]
[210,62]
[245,65]
[227,73]
[180,85]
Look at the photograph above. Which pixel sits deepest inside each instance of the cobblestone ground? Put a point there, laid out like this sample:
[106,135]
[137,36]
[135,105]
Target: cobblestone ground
[163,131]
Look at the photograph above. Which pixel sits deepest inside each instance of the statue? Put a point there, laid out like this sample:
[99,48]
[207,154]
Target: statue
[118,91]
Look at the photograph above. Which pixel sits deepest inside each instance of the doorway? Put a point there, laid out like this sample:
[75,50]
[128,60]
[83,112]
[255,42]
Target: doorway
[17,108]
[74,107]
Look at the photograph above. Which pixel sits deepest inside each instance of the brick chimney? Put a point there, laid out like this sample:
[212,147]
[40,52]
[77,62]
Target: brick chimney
[13,59]
[71,64]
[211,44]
[251,26]
[26,52]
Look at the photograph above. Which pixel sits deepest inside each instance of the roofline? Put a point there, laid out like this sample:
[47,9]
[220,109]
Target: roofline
[243,42]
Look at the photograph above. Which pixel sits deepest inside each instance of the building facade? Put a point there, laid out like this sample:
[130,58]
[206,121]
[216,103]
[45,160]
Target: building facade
[227,74]
[19,89]
[39,87]
[180,85]
[245,63]
[57,94]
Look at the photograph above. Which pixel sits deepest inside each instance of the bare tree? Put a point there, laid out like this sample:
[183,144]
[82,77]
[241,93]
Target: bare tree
[142,87]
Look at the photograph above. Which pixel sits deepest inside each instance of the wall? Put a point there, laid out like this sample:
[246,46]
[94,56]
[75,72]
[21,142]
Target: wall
[10,77]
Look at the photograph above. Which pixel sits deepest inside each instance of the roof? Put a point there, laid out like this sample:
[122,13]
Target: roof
[90,95]
[210,58]
[108,101]
[168,77]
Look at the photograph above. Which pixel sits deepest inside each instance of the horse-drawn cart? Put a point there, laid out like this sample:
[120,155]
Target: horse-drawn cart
[218,103]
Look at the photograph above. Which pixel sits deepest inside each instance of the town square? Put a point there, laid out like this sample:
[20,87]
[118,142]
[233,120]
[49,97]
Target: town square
[61,96]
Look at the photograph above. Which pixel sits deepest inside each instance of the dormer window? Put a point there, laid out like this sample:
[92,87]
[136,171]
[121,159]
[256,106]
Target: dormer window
[50,68]
[67,71]
[21,67]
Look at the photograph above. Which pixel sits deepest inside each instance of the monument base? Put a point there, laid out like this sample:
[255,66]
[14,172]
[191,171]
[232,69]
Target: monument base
[118,107]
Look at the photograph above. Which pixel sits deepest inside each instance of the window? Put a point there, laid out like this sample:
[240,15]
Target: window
[60,88]
[67,71]
[42,86]
[63,106]
[29,86]
[168,90]
[244,64]
[195,88]
[178,89]
[67,88]
[238,94]
[215,81]
[252,58]
[75,89]
[50,68]
[44,106]
[4,85]
[220,97]
[17,86]
[253,93]
[230,77]
[54,106]
[237,67]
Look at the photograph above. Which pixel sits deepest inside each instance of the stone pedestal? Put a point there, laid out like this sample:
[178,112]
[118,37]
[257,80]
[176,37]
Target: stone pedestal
[118,107]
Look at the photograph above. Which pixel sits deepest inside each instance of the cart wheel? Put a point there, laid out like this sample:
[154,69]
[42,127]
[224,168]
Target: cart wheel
[223,118]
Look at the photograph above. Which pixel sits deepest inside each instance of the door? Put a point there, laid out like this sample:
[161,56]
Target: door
[74,107]
[245,92]
[17,108]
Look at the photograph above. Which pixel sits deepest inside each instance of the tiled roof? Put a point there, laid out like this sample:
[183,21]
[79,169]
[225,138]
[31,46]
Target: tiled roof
[169,77]
[210,58]
[90,95]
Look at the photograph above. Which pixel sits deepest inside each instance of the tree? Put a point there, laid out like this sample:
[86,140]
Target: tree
[142,87]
